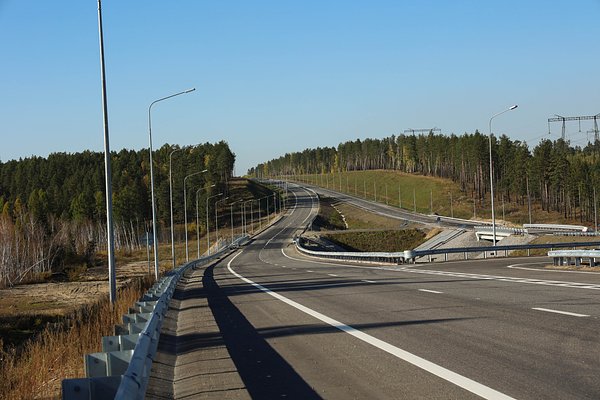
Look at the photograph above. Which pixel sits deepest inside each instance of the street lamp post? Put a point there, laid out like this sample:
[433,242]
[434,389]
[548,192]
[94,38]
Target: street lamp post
[154,233]
[252,216]
[245,220]
[217,221]
[231,214]
[267,209]
[207,229]
[492,172]
[259,214]
[187,258]
[171,201]
[197,219]
[112,283]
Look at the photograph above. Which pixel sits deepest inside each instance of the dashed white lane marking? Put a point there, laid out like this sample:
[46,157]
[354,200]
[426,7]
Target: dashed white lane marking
[430,291]
[332,275]
[368,281]
[310,271]
[572,314]
[450,376]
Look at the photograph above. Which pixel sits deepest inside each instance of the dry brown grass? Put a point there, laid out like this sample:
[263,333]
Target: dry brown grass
[36,370]
[358,218]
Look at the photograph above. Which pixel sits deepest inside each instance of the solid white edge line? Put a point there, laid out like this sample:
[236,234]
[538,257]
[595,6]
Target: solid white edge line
[450,376]
[572,314]
[430,291]
[519,266]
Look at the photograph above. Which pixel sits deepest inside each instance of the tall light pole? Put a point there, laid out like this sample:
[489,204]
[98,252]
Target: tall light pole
[171,201]
[259,206]
[112,284]
[231,213]
[197,218]
[492,172]
[154,234]
[251,216]
[187,257]
[207,229]
[217,220]
[244,219]
[267,210]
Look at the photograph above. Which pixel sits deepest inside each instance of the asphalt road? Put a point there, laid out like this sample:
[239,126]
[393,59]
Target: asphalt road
[303,328]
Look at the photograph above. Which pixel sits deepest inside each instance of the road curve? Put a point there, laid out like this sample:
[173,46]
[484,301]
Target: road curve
[304,328]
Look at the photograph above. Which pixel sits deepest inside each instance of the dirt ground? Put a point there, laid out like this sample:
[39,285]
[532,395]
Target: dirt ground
[58,298]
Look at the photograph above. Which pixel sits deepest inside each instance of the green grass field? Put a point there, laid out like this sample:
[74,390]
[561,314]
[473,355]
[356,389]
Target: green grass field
[412,192]
[427,195]
[388,241]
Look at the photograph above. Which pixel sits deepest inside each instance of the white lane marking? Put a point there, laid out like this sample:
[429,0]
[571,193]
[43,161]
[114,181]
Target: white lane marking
[576,285]
[430,291]
[560,312]
[309,271]
[332,274]
[368,281]
[450,376]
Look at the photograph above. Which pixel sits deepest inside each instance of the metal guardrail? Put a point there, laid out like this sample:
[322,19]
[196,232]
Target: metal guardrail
[576,233]
[554,227]
[409,256]
[122,370]
[502,229]
[396,258]
[575,253]
[562,257]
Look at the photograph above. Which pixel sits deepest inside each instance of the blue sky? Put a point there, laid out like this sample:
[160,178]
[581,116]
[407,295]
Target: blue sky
[279,76]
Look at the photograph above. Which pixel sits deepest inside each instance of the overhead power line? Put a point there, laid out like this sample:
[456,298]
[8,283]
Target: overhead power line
[560,118]
[427,130]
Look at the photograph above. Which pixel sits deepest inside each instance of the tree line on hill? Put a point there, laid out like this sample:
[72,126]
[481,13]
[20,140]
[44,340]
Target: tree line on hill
[557,175]
[54,209]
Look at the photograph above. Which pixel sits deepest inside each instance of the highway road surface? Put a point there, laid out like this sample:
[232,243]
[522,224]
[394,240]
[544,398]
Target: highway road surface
[303,328]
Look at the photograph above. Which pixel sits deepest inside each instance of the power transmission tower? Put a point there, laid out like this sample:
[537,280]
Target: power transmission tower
[430,130]
[564,120]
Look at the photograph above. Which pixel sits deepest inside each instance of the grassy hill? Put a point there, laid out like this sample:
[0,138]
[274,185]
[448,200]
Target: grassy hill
[430,195]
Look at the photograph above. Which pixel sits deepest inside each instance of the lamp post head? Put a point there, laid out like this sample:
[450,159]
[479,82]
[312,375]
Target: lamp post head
[190,90]
[513,107]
